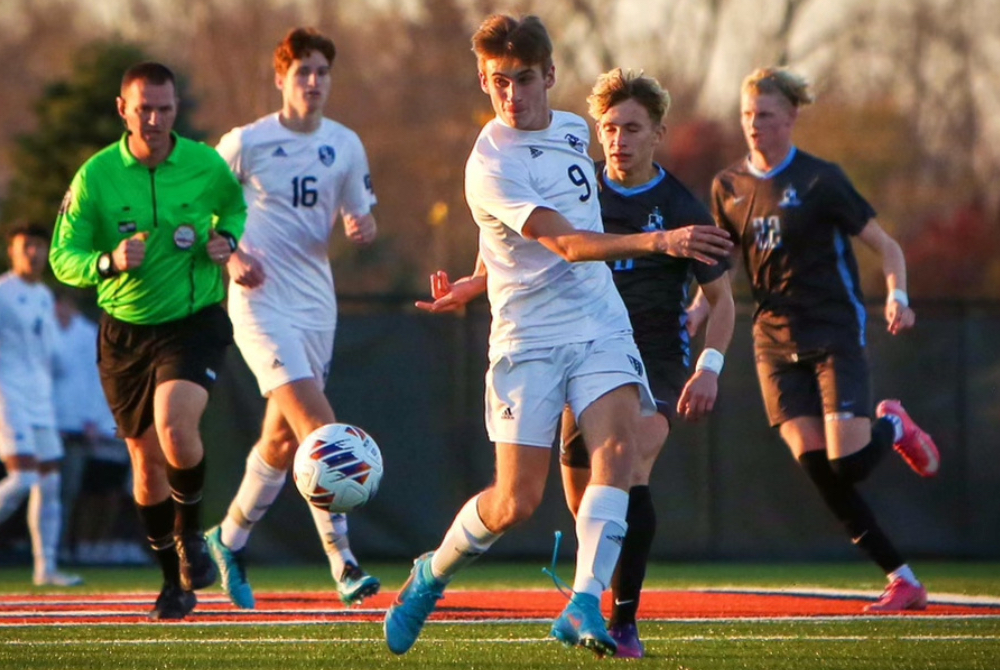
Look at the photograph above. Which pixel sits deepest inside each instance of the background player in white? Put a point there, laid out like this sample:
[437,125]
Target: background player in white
[560,333]
[29,442]
[299,171]
[95,469]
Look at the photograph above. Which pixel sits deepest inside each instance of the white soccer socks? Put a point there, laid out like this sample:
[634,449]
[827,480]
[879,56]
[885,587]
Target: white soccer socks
[259,489]
[600,530]
[466,540]
[44,521]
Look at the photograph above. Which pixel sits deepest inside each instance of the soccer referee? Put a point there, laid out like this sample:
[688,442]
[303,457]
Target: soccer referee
[150,221]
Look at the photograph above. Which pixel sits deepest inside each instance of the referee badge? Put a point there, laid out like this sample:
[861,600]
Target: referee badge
[184,236]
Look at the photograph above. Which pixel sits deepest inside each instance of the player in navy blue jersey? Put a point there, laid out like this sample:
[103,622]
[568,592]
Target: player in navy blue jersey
[793,215]
[638,195]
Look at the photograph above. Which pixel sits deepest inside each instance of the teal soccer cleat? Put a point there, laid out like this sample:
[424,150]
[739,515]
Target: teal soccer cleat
[581,624]
[231,569]
[355,585]
[415,602]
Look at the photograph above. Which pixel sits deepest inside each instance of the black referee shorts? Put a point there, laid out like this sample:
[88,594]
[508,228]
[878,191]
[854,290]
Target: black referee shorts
[134,359]
[815,383]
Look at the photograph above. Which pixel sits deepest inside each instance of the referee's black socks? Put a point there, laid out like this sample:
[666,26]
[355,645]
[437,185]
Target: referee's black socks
[158,522]
[186,487]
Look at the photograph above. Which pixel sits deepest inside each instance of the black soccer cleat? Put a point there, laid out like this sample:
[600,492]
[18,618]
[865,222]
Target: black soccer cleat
[198,570]
[173,603]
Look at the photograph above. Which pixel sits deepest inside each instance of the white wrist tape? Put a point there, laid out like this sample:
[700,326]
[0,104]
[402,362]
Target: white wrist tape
[711,360]
[900,296]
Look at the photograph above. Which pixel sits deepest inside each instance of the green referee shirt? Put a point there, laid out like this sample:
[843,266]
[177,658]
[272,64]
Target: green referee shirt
[114,196]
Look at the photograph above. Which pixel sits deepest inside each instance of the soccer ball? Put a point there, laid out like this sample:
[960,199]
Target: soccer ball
[338,467]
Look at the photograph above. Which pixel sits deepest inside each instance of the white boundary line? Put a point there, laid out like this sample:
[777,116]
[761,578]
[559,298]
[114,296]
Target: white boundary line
[502,641]
[933,598]
[190,623]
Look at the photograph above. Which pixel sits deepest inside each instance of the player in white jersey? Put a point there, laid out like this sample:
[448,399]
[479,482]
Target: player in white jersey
[299,171]
[560,332]
[29,442]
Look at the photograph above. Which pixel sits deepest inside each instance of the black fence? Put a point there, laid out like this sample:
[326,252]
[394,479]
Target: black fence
[726,488]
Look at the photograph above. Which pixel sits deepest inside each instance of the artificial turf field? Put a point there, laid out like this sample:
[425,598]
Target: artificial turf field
[497,615]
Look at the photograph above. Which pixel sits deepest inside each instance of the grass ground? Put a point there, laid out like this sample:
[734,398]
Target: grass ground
[852,642]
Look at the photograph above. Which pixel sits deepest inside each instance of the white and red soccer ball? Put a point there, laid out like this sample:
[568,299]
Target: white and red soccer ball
[338,467]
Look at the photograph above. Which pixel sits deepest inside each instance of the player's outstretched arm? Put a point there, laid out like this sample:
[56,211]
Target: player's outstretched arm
[898,314]
[704,243]
[451,296]
[699,394]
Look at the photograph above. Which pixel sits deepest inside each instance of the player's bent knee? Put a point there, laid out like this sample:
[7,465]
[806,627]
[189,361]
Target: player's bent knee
[512,510]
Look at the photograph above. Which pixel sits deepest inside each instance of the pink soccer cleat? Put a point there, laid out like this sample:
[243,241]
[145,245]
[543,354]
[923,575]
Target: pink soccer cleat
[627,637]
[916,447]
[900,596]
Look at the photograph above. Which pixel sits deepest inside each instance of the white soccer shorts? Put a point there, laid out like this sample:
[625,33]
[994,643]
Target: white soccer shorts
[279,356]
[42,442]
[527,390]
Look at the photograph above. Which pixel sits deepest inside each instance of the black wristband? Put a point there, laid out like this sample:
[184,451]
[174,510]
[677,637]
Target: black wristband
[231,239]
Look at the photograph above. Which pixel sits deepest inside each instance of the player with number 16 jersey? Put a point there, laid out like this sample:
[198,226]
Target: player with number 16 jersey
[300,172]
[295,185]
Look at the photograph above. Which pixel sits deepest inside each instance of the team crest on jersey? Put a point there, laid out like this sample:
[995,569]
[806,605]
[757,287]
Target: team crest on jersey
[535,152]
[327,155]
[654,222]
[575,142]
[789,198]
[280,152]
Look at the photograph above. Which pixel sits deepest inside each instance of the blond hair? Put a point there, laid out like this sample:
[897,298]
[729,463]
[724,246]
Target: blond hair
[777,80]
[616,86]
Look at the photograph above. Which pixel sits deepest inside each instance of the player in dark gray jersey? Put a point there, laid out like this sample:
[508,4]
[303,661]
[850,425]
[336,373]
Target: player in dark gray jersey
[792,216]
